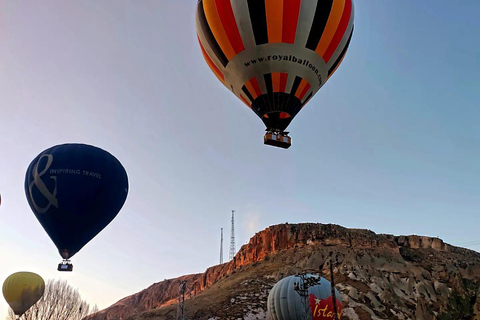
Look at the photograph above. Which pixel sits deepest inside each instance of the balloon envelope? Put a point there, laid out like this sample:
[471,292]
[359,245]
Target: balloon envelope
[284,303]
[22,290]
[75,191]
[274,55]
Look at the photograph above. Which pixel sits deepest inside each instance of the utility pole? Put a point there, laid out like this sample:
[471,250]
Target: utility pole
[301,288]
[332,286]
[232,238]
[181,301]
[221,245]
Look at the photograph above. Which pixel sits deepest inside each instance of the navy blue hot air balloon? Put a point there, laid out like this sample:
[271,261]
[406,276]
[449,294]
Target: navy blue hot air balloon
[75,191]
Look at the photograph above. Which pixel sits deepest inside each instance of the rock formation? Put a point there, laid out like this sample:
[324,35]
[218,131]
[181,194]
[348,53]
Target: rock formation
[381,277]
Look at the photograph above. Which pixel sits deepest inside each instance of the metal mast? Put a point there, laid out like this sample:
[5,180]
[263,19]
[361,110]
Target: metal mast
[232,237]
[332,285]
[221,246]
[302,289]
[181,301]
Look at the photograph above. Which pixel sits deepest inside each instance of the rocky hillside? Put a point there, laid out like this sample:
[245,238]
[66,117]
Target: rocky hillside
[381,277]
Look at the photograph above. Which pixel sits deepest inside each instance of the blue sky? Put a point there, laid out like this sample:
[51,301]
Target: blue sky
[390,143]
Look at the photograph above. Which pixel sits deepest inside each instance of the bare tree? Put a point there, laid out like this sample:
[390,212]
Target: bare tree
[59,302]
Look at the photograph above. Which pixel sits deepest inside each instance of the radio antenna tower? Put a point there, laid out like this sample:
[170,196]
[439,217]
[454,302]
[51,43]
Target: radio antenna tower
[232,237]
[221,246]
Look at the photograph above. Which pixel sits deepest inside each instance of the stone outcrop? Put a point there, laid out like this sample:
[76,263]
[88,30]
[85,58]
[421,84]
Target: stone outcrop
[381,276]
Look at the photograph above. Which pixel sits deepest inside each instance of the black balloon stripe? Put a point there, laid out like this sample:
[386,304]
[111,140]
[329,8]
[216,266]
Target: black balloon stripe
[207,32]
[245,90]
[258,18]
[340,57]
[319,22]
[296,83]
[308,98]
[268,82]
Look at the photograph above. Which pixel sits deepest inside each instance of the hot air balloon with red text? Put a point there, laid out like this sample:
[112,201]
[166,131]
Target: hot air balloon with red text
[305,296]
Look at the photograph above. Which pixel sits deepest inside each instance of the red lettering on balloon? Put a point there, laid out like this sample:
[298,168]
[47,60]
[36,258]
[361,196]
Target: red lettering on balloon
[322,309]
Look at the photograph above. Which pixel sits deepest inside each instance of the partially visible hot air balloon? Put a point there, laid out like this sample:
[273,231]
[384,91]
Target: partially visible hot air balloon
[75,191]
[294,296]
[22,290]
[274,55]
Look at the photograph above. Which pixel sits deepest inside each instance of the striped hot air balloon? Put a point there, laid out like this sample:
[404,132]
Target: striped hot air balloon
[274,55]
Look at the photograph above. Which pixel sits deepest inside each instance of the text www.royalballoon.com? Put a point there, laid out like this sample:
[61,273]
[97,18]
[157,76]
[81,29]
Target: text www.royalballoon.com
[289,58]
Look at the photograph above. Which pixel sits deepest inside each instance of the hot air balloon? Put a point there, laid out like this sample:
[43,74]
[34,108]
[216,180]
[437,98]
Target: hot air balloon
[274,55]
[75,191]
[22,290]
[297,296]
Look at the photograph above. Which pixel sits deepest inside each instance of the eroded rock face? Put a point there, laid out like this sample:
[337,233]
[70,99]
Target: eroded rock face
[381,276]
[157,295]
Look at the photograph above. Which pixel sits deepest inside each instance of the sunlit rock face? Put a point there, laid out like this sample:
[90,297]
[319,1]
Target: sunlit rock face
[380,276]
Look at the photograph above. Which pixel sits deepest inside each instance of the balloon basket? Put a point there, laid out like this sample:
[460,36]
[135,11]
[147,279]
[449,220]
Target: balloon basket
[277,139]
[65,265]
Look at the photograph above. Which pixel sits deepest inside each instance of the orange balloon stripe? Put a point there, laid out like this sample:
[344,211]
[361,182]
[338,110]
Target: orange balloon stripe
[283,82]
[251,90]
[300,88]
[256,86]
[245,101]
[304,91]
[216,26]
[274,10]
[291,11]
[342,27]
[229,23]
[211,64]
[332,24]
[276,81]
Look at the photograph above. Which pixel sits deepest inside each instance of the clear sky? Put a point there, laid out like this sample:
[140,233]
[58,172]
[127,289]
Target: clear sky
[391,143]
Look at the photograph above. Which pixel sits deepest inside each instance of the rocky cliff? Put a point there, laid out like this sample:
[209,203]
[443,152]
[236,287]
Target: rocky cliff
[381,277]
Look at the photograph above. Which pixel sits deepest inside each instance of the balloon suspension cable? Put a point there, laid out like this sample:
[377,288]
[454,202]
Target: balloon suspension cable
[334,298]
[277,131]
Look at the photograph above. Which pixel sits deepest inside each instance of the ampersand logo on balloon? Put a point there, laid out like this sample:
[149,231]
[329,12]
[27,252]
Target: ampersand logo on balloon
[40,185]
